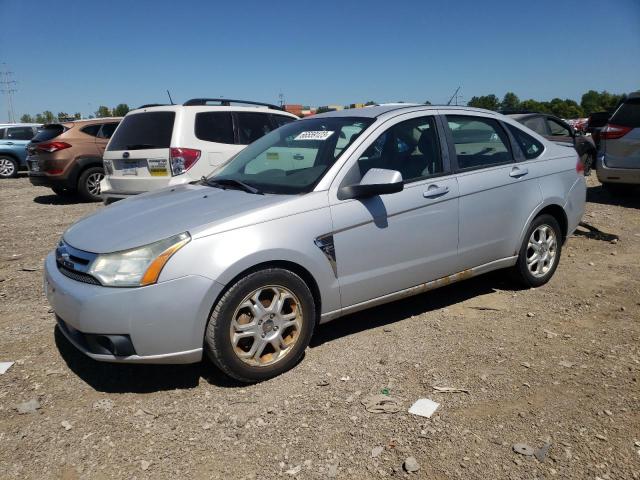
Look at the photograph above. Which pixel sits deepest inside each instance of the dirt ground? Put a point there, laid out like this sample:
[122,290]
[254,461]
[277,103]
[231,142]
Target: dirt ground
[558,365]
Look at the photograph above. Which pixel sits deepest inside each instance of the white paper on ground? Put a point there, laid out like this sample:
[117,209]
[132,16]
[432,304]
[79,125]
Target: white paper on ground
[424,407]
[4,366]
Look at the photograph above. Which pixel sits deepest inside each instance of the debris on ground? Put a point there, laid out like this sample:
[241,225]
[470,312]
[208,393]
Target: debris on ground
[524,449]
[450,389]
[66,425]
[411,465]
[424,407]
[381,404]
[4,366]
[30,406]
[541,453]
[376,451]
[294,471]
[566,364]
[145,464]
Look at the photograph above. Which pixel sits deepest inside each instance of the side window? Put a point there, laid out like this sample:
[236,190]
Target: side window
[214,127]
[20,133]
[2,132]
[107,130]
[252,126]
[557,129]
[91,130]
[537,125]
[281,120]
[410,147]
[479,142]
[531,148]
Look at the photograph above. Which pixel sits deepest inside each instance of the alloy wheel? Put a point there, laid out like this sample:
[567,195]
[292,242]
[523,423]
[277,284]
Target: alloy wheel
[542,250]
[266,325]
[93,183]
[7,167]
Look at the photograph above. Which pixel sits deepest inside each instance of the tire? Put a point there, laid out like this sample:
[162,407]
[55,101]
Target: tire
[87,182]
[261,326]
[589,163]
[8,167]
[63,192]
[523,269]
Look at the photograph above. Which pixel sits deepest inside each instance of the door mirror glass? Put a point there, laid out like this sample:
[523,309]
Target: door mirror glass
[377,181]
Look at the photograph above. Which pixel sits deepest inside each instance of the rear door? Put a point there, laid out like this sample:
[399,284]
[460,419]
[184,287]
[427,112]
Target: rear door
[620,143]
[497,195]
[139,150]
[104,133]
[16,140]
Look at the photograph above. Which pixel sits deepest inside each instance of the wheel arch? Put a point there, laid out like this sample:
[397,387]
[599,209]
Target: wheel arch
[553,208]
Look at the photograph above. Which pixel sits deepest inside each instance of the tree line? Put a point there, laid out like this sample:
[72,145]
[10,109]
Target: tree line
[47,116]
[590,102]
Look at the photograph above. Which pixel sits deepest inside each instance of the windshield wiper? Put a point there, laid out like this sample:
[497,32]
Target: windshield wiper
[141,146]
[231,183]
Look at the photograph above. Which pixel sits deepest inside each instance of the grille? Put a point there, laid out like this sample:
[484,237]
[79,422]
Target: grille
[78,276]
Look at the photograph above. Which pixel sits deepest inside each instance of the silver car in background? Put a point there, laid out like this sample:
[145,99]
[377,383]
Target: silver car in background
[320,218]
[618,160]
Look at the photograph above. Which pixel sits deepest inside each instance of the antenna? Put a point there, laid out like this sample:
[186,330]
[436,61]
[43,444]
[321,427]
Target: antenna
[455,95]
[7,87]
[170,99]
[281,99]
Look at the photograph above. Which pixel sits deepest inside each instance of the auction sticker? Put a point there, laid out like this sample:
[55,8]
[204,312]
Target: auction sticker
[314,135]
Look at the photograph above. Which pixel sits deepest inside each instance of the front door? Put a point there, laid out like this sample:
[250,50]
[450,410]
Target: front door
[387,243]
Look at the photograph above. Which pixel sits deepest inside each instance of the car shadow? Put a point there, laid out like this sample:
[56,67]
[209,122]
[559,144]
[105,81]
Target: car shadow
[129,378]
[599,194]
[54,199]
[394,312]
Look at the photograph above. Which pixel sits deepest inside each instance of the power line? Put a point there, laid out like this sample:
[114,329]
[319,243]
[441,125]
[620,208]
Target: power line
[8,88]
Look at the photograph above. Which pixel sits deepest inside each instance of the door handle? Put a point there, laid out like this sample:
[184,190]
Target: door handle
[517,172]
[435,191]
[9,143]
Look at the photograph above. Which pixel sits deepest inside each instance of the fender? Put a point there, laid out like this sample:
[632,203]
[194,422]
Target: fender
[81,163]
[548,202]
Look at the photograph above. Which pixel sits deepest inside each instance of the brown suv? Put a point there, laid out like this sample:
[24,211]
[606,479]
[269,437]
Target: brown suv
[67,156]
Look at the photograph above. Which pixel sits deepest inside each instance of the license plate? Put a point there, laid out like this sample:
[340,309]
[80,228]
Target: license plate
[130,167]
[33,164]
[157,167]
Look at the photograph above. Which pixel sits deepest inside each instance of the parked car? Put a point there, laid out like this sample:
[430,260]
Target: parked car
[320,218]
[559,131]
[67,156]
[596,123]
[618,165]
[14,138]
[169,145]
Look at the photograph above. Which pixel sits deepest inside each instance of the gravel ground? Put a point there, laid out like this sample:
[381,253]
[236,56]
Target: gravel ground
[558,365]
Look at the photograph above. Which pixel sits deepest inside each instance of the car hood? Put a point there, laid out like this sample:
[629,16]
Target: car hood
[153,216]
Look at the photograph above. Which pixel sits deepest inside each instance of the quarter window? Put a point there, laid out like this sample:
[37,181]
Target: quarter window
[252,126]
[214,127]
[479,142]
[410,147]
[20,133]
[107,130]
[531,148]
[91,130]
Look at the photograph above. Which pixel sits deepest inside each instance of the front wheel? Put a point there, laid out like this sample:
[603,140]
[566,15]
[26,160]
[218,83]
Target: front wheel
[261,325]
[8,167]
[540,252]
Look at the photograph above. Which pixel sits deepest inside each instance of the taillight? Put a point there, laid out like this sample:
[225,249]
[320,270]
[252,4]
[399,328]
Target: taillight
[52,146]
[182,159]
[580,166]
[611,131]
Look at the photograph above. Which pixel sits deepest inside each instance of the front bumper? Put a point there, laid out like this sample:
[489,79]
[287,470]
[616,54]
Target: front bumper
[616,175]
[165,322]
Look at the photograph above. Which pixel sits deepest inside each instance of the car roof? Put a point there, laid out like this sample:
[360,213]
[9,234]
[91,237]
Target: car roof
[4,125]
[376,111]
[223,108]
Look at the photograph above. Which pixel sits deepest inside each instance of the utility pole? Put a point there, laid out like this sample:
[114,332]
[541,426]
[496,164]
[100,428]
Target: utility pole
[281,99]
[455,97]
[8,88]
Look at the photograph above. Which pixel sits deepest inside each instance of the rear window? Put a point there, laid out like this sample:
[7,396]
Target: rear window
[142,131]
[214,127]
[48,132]
[628,115]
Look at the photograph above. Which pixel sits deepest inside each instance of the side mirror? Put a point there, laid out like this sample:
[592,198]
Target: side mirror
[377,181]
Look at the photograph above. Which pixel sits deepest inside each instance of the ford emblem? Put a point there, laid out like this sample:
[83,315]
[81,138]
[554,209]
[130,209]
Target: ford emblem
[125,155]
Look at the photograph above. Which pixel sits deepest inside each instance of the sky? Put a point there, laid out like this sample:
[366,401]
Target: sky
[81,54]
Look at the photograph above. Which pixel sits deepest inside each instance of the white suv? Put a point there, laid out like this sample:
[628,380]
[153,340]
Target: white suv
[157,146]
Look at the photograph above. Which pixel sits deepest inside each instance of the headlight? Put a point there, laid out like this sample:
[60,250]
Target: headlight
[138,266]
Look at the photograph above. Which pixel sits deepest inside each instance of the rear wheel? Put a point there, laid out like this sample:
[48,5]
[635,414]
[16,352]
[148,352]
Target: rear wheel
[8,167]
[540,252]
[261,325]
[89,183]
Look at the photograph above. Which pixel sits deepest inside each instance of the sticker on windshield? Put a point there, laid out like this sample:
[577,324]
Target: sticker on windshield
[314,135]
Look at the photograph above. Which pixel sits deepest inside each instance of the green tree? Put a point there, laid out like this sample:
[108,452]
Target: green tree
[39,118]
[48,116]
[26,118]
[593,101]
[510,102]
[121,110]
[103,112]
[77,116]
[565,108]
[490,102]
[62,116]
[427,102]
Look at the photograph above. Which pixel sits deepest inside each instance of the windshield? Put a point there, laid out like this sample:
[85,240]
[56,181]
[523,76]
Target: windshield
[140,131]
[293,158]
